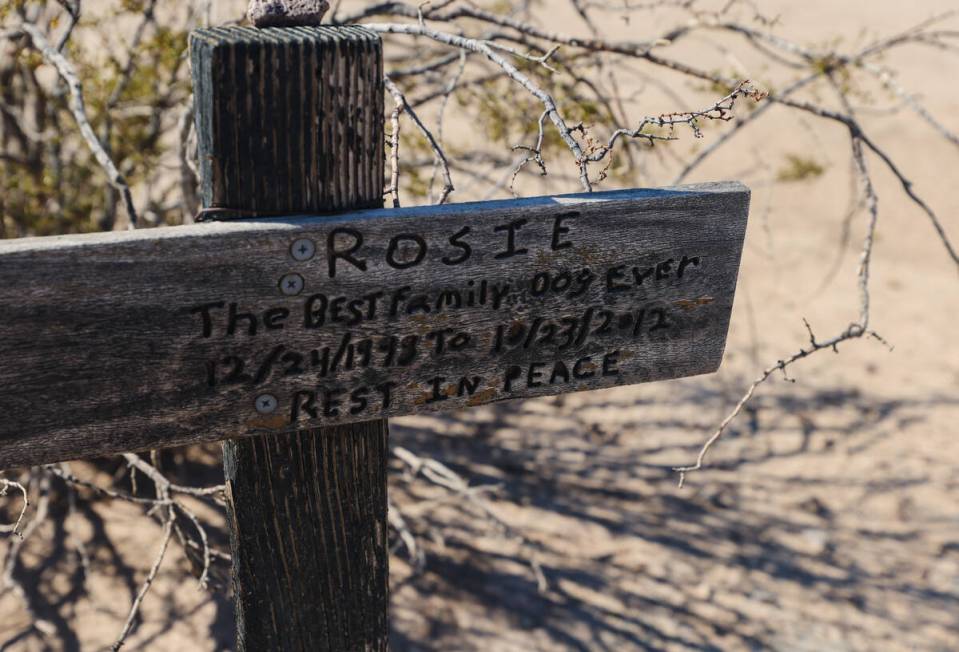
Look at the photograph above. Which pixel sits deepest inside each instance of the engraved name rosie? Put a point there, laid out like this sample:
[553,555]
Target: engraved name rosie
[345,245]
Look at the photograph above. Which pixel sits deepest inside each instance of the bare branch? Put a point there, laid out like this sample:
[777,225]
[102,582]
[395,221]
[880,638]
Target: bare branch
[78,108]
[164,485]
[443,476]
[189,175]
[906,184]
[5,486]
[11,562]
[395,517]
[856,330]
[147,583]
[403,105]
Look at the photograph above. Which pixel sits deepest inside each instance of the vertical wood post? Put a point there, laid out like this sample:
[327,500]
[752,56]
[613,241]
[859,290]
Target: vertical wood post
[292,120]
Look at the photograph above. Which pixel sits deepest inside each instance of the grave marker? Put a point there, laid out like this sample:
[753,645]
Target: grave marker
[130,341]
[296,335]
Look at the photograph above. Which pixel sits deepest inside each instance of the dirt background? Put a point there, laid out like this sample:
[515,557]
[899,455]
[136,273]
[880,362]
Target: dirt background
[829,518]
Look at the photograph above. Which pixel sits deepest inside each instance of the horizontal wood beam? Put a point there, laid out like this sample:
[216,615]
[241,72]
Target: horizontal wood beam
[115,342]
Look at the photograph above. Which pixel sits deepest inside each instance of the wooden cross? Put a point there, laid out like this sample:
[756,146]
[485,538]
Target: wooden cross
[293,329]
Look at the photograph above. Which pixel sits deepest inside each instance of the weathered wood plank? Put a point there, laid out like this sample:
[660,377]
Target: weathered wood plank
[292,119]
[128,341]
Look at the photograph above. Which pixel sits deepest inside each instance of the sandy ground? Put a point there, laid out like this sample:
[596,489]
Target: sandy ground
[829,519]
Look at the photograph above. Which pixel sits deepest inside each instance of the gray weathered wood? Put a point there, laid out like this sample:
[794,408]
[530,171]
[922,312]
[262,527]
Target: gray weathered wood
[103,345]
[308,532]
[292,119]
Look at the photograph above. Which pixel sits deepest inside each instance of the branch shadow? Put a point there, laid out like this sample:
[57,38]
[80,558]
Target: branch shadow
[565,470]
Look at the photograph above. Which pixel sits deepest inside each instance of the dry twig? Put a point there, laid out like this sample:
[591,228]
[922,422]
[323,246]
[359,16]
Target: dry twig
[402,105]
[6,486]
[78,108]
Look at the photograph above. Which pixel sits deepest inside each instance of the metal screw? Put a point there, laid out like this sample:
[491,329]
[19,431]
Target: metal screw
[303,250]
[292,285]
[266,404]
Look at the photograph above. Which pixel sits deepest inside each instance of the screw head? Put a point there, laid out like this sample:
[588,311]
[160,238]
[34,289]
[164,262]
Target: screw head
[292,284]
[266,404]
[303,250]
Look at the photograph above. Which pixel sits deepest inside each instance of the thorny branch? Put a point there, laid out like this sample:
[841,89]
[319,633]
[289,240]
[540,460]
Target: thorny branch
[721,110]
[856,330]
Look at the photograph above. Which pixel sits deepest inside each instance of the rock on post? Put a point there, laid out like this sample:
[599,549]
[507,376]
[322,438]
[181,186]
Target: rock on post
[287,13]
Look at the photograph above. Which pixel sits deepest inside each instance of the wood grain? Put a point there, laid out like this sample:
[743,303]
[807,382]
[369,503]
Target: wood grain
[309,539]
[104,346]
[291,119]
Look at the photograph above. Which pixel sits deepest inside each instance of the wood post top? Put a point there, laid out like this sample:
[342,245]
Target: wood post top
[235,34]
